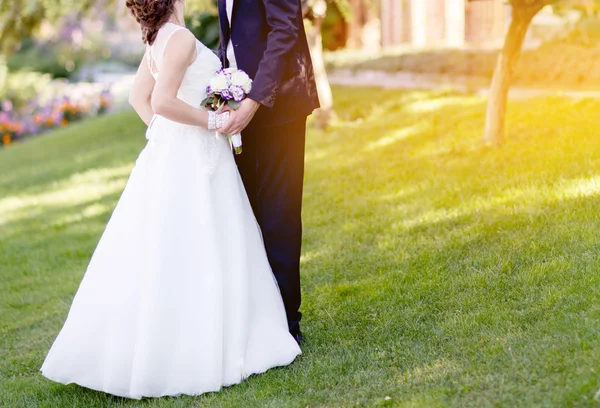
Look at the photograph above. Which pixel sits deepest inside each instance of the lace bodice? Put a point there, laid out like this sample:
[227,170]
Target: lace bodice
[208,144]
[198,74]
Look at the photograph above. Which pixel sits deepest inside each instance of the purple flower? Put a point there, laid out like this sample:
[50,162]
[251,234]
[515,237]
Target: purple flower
[58,118]
[32,128]
[7,106]
[238,93]
[226,94]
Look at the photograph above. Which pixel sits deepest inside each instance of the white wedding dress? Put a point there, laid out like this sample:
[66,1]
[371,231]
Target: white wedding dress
[179,297]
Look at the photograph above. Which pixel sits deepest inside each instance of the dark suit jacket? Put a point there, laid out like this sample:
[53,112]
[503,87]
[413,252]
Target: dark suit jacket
[270,46]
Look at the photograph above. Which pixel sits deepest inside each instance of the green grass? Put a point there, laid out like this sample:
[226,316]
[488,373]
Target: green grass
[555,65]
[436,272]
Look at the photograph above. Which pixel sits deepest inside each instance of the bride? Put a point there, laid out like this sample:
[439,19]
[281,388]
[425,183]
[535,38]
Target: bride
[178,297]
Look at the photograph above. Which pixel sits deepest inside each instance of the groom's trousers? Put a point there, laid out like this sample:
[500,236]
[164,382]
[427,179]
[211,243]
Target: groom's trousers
[272,169]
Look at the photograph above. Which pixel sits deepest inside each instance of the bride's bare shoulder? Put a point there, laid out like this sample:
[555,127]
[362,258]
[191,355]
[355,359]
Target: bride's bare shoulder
[181,42]
[182,37]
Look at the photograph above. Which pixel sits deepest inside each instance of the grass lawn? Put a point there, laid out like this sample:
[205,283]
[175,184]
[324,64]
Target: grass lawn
[555,65]
[436,272]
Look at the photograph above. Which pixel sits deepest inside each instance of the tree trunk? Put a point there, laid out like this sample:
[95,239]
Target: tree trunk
[325,114]
[496,109]
[356,25]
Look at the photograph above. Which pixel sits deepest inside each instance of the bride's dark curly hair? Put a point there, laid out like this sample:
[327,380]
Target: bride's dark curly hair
[152,15]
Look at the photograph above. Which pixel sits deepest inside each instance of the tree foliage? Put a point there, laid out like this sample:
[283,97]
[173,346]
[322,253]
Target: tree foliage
[588,8]
[19,19]
[194,6]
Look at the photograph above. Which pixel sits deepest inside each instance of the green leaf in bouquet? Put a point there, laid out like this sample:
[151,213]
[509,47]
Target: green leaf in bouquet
[208,102]
[234,105]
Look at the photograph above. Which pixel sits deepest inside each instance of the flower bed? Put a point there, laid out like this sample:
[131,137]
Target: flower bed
[37,118]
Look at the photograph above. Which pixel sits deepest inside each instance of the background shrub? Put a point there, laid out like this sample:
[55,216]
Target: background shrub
[21,87]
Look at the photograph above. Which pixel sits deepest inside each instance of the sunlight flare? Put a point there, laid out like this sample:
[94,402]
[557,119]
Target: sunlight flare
[433,105]
[582,188]
[79,189]
[396,136]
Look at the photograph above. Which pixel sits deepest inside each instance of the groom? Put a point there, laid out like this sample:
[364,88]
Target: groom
[266,39]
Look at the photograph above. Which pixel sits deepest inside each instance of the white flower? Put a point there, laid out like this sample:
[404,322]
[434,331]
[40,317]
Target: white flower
[241,79]
[219,82]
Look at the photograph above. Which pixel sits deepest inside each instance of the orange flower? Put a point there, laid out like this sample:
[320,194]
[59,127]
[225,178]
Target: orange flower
[64,122]
[6,139]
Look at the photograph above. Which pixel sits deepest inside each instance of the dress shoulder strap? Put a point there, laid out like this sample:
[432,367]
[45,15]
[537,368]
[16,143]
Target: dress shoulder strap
[149,59]
[156,51]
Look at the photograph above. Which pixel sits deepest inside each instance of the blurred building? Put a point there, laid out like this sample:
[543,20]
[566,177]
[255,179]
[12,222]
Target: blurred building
[453,23]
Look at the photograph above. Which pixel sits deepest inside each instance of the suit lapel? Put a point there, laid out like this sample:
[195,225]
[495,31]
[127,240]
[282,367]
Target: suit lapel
[224,23]
[234,8]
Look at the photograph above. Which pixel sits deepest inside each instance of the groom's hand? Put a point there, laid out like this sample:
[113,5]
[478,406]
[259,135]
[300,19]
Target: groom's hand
[240,118]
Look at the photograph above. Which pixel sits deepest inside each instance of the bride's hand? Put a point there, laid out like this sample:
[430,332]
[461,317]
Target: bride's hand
[223,119]
[224,108]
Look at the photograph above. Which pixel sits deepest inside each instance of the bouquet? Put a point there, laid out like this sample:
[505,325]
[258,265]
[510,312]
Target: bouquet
[229,87]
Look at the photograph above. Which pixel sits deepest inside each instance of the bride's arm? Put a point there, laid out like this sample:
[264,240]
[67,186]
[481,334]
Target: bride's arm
[179,54]
[141,91]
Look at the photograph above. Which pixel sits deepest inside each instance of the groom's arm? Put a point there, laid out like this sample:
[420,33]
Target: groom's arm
[282,17]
